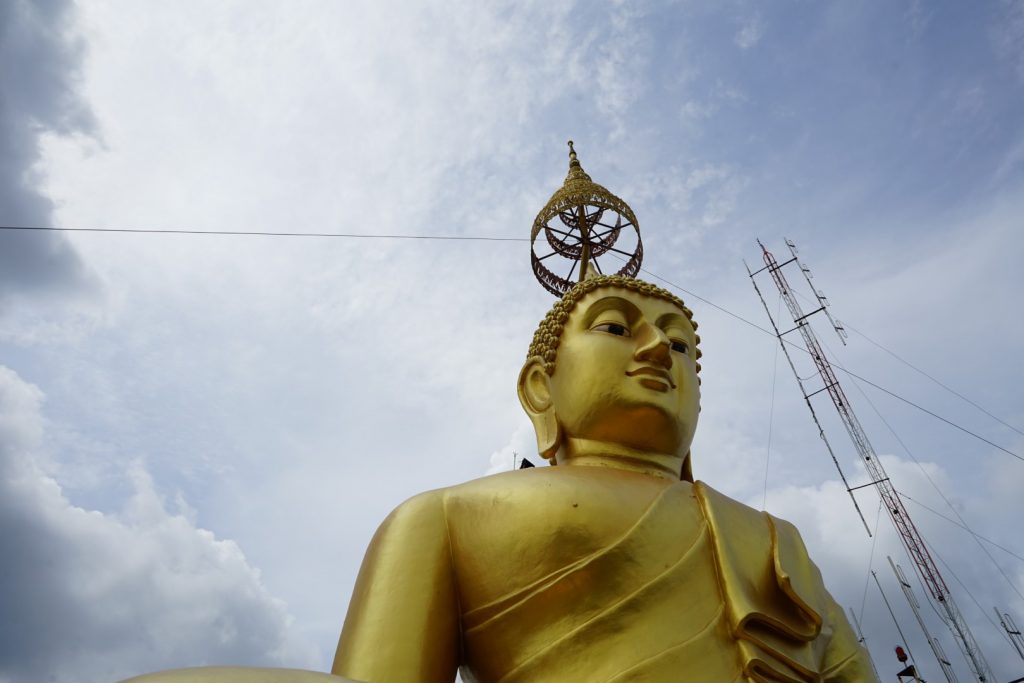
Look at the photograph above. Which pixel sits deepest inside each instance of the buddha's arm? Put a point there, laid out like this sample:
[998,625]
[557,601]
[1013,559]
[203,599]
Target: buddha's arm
[403,620]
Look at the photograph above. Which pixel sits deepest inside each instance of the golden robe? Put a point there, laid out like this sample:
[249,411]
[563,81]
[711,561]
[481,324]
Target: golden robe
[588,574]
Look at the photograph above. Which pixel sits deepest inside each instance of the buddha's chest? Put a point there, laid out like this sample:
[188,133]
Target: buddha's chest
[599,536]
[612,597]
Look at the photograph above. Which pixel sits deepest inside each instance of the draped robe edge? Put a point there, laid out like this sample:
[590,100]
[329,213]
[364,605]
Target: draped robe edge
[405,624]
[787,626]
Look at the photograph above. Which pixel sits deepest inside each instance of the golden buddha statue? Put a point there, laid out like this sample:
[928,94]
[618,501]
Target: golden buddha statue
[611,565]
[614,564]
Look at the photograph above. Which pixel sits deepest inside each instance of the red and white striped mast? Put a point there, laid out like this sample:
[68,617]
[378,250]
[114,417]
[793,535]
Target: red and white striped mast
[909,535]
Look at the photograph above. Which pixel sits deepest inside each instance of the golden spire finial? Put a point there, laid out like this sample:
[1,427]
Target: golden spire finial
[581,223]
[576,171]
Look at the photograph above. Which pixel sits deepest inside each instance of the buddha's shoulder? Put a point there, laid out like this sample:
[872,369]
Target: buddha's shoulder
[562,482]
[540,498]
[545,487]
[544,497]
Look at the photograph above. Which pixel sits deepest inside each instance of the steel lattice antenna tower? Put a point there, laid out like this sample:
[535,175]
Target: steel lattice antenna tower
[909,535]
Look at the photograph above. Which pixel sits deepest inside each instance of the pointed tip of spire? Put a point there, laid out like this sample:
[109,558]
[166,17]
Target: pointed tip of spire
[576,171]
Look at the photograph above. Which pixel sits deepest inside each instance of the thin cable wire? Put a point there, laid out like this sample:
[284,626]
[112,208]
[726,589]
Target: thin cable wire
[925,410]
[949,504]
[707,301]
[260,233]
[771,416]
[941,494]
[977,604]
[933,379]
[919,370]
[871,561]
[494,239]
[838,367]
[963,522]
[956,523]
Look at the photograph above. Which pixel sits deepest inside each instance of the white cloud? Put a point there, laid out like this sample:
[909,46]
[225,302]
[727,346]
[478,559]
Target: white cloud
[839,545]
[296,390]
[90,596]
[918,15]
[750,32]
[523,444]
[1008,34]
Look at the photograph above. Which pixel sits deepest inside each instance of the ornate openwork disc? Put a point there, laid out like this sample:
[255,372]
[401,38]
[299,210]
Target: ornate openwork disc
[582,224]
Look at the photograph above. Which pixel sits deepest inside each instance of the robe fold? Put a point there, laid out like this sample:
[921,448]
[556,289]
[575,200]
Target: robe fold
[697,588]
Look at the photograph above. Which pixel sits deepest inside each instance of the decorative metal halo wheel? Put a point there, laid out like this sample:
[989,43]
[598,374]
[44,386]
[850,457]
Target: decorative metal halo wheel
[582,224]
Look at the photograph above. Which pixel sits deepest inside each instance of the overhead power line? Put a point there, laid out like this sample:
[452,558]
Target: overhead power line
[470,238]
[837,366]
[962,526]
[935,415]
[945,498]
[261,233]
[944,386]
[918,370]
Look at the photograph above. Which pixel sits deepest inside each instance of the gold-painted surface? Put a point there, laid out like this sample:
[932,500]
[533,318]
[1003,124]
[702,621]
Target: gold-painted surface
[611,566]
[578,190]
[549,332]
[238,674]
[579,201]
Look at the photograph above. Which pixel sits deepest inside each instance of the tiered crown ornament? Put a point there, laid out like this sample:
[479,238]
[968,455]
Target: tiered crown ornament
[583,222]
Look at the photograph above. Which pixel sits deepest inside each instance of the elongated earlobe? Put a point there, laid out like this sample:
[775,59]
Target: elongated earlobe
[535,397]
[549,435]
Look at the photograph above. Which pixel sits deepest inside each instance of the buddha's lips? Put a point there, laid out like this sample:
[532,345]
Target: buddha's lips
[660,373]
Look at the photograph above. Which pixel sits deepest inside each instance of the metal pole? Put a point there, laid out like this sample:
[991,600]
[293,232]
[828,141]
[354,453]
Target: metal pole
[908,592]
[807,399]
[893,615]
[585,236]
[1012,631]
[863,641]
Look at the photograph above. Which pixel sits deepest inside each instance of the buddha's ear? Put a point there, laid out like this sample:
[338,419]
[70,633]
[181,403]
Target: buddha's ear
[535,396]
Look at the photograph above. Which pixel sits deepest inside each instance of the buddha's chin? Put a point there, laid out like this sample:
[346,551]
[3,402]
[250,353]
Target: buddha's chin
[641,420]
[607,454]
[654,434]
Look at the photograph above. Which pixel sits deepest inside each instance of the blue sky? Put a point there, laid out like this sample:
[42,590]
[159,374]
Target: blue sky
[199,434]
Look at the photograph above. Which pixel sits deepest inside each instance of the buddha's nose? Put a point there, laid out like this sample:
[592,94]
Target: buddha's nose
[653,345]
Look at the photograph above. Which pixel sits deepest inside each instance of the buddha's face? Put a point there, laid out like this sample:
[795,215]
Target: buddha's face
[625,373]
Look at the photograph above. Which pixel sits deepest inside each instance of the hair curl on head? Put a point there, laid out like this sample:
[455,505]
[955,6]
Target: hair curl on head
[549,332]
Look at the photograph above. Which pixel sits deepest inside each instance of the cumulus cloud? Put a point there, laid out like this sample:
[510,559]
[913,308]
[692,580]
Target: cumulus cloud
[90,596]
[221,359]
[39,65]
[841,548]
[523,444]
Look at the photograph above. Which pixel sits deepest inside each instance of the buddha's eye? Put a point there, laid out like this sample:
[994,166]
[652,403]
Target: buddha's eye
[679,346]
[617,329]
